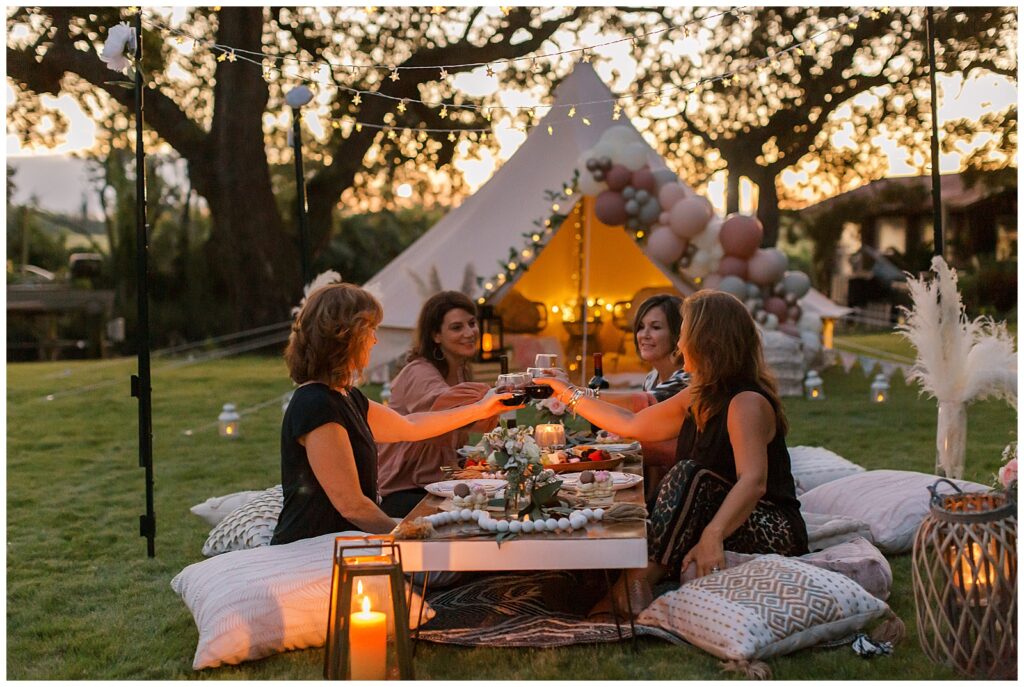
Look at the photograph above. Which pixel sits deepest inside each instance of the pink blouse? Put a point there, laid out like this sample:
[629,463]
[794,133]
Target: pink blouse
[419,388]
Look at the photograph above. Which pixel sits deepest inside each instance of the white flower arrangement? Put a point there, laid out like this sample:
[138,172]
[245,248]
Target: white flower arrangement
[119,39]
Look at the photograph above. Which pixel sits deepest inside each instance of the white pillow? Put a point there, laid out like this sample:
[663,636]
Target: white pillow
[216,508]
[892,502]
[251,604]
[813,466]
[826,529]
[768,606]
[248,526]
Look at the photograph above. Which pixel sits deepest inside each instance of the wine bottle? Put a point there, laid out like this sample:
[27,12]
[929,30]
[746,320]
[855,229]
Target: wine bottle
[504,364]
[597,382]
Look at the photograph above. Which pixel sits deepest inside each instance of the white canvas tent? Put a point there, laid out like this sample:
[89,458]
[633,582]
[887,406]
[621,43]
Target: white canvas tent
[478,234]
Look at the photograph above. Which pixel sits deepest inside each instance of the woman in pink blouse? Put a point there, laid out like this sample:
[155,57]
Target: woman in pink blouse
[436,377]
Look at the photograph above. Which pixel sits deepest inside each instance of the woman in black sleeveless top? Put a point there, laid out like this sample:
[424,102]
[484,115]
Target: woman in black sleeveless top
[330,431]
[732,487]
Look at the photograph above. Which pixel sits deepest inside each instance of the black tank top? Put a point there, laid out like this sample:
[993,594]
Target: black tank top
[712,449]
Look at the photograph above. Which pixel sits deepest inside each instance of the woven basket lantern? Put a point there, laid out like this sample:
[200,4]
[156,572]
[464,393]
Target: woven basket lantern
[965,582]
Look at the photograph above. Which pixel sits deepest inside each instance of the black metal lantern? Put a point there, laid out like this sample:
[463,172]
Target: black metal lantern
[368,620]
[492,335]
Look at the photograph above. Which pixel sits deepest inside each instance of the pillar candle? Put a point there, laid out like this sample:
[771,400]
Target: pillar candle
[549,435]
[368,642]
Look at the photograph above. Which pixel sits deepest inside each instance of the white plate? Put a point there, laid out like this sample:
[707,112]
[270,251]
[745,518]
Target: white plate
[444,489]
[609,448]
[620,480]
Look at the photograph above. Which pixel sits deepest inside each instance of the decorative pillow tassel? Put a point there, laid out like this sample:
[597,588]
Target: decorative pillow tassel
[892,630]
[751,670]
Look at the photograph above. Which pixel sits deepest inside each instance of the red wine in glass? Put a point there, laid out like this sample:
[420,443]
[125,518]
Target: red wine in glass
[518,398]
[539,391]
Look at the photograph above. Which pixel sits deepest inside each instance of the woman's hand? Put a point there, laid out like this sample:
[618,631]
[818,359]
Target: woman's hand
[557,383]
[491,404]
[708,554]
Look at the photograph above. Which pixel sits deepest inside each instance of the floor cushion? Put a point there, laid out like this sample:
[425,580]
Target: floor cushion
[892,502]
[768,606]
[813,466]
[826,529]
[216,508]
[858,559]
[248,526]
[254,603]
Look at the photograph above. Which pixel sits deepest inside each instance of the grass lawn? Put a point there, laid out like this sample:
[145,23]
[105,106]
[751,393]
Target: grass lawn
[84,602]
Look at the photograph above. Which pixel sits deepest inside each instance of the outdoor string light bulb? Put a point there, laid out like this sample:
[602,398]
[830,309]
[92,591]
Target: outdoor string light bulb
[880,389]
[229,422]
[814,387]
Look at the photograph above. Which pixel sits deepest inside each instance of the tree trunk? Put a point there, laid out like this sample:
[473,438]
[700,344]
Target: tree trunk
[768,207]
[732,190]
[253,261]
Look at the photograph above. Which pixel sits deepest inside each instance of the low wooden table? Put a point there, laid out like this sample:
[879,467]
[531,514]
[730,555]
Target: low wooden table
[464,547]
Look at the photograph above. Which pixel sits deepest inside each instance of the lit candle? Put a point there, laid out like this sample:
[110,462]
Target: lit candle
[487,342]
[368,639]
[547,436]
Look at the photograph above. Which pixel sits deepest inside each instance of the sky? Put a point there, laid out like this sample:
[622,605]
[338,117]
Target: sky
[38,168]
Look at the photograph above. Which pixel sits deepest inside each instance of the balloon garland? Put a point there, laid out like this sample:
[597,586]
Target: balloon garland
[684,234]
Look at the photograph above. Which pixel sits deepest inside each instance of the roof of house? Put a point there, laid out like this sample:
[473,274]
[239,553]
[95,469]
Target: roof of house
[908,195]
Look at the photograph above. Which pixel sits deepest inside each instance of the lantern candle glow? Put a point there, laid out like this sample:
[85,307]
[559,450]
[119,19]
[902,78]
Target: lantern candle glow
[549,436]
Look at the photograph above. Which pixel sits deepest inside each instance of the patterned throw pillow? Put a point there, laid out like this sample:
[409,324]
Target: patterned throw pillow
[813,466]
[251,604]
[766,607]
[248,526]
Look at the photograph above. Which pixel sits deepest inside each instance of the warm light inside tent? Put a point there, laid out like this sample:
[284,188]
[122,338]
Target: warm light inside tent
[828,327]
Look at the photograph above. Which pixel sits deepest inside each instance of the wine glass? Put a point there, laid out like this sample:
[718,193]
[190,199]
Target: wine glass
[514,383]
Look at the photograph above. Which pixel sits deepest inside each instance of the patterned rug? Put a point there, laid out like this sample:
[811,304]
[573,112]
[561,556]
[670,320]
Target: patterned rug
[544,609]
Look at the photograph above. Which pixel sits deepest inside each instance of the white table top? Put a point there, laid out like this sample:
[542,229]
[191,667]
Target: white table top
[464,547]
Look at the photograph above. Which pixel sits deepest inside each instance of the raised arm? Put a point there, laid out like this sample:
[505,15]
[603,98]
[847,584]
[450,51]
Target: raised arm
[330,455]
[658,422]
[388,426]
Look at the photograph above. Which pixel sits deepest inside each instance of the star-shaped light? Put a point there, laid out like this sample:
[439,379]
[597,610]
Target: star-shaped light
[401,107]
[505,9]
[451,135]
[487,113]
[444,111]
[617,111]
[131,11]
[357,100]
[572,111]
[551,130]
[586,122]
[394,74]
[231,56]
[800,52]
[437,9]
[853,24]
[489,70]
[444,73]
[585,57]
[359,126]
[391,134]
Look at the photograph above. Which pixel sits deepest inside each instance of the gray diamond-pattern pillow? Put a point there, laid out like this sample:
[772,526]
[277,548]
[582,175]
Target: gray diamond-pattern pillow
[248,526]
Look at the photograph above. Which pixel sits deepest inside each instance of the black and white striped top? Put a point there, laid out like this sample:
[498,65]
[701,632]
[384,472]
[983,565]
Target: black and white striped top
[669,388]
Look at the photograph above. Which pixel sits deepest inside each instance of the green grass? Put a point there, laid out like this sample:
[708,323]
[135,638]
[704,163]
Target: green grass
[84,601]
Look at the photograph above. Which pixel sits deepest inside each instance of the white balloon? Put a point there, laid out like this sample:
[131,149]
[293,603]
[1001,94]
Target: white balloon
[812,342]
[701,265]
[771,321]
[633,156]
[810,322]
[619,134]
[589,186]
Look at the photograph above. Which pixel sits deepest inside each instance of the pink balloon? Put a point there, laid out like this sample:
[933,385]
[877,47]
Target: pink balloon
[711,281]
[767,266]
[663,218]
[733,266]
[644,178]
[610,208]
[664,246]
[670,194]
[794,312]
[776,306]
[689,216]
[618,177]
[741,235]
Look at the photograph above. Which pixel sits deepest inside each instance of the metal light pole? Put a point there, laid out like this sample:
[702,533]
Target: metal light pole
[296,98]
[140,383]
[936,178]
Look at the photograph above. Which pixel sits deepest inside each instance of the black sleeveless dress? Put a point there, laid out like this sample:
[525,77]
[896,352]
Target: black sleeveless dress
[694,489]
[308,511]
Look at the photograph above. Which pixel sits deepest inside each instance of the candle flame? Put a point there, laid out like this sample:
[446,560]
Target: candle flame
[229,430]
[366,604]
[359,586]
[488,342]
